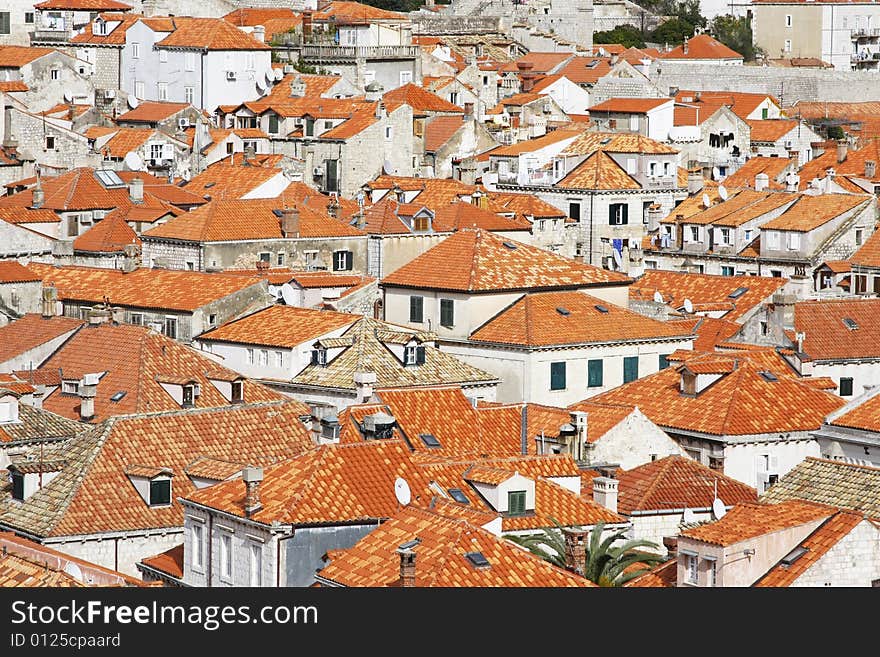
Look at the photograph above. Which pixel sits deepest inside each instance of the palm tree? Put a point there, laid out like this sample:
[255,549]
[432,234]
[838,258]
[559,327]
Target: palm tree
[606,564]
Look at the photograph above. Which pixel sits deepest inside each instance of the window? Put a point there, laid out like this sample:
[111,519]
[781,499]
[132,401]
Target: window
[416,307]
[163,56]
[516,502]
[135,50]
[690,562]
[237,392]
[414,355]
[846,386]
[265,256]
[342,260]
[630,368]
[256,564]
[264,357]
[212,320]
[319,356]
[277,359]
[634,123]
[631,166]
[170,328]
[574,210]
[725,235]
[594,373]
[197,545]
[250,61]
[421,224]
[405,77]
[136,318]
[557,376]
[226,555]
[188,395]
[50,143]
[279,260]
[273,124]
[765,327]
[776,273]
[17,486]
[726,271]
[139,89]
[453,98]
[54,73]
[787,47]
[618,214]
[711,573]
[29,17]
[772,239]
[163,90]
[4,22]
[695,233]
[652,169]
[189,61]
[663,361]
[788,20]
[859,238]
[250,356]
[388,133]
[160,492]
[447,313]
[188,94]
[794,241]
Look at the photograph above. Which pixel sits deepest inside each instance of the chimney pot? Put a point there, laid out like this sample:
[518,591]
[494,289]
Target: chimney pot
[870,169]
[290,222]
[252,478]
[407,567]
[575,550]
[605,492]
[136,190]
[695,182]
[49,301]
[671,545]
[762,182]
[841,151]
[38,197]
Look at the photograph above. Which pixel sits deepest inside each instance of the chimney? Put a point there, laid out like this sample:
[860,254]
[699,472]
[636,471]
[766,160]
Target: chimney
[290,222]
[579,421]
[259,33]
[526,75]
[364,383]
[407,566]
[671,545]
[762,182]
[783,309]
[679,231]
[50,301]
[361,220]
[792,181]
[248,156]
[87,394]
[297,87]
[468,112]
[307,23]
[130,259]
[333,207]
[136,190]
[38,197]
[654,215]
[605,492]
[685,46]
[614,59]
[100,315]
[398,192]
[252,478]
[575,550]
[524,429]
[870,169]
[695,181]
[841,150]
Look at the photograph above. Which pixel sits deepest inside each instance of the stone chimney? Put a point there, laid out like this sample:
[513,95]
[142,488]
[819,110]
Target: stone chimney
[654,214]
[783,309]
[100,315]
[87,393]
[575,550]
[526,75]
[364,383]
[130,259]
[841,150]
[695,181]
[38,197]
[762,182]
[407,566]
[333,207]
[49,301]
[307,23]
[605,492]
[685,46]
[136,190]
[671,545]
[373,92]
[290,222]
[579,422]
[248,156]
[468,112]
[297,87]
[259,33]
[252,478]
[679,231]
[870,169]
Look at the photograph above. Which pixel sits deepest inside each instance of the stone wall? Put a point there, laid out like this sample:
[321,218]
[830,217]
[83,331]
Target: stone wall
[120,552]
[69,150]
[853,561]
[20,298]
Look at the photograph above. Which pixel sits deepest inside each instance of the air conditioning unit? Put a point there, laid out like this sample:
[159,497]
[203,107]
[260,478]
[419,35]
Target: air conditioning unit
[197,390]
[230,75]
[183,122]
[91,379]
[317,171]
[110,93]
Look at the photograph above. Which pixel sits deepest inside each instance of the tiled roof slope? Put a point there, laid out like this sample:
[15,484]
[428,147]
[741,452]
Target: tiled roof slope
[440,557]
[598,171]
[538,320]
[829,534]
[209,34]
[226,181]
[860,413]
[368,353]
[475,260]
[16,571]
[868,254]
[745,521]
[629,105]
[169,562]
[18,56]
[810,212]
[772,166]
[526,205]
[663,576]
[341,11]
[741,402]
[93,493]
[531,145]
[35,424]
[280,326]
[141,288]
[13,272]
[32,330]
[456,216]
[84,5]
[836,483]
[827,337]
[439,130]
[229,220]
[706,288]
[770,130]
[132,358]
[701,46]
[420,99]
[109,235]
[677,482]
[149,111]
[328,484]
[617,142]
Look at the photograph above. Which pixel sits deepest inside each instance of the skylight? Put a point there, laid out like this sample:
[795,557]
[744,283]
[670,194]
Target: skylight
[601,309]
[109,178]
[794,555]
[565,312]
[768,376]
[429,439]
[118,396]
[737,293]
[459,496]
[851,324]
[477,559]
[409,545]
[510,245]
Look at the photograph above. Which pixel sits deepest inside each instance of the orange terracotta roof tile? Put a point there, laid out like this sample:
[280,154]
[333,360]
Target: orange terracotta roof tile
[281,326]
[553,501]
[663,576]
[629,105]
[432,192]
[701,46]
[114,38]
[741,103]
[541,62]
[526,205]
[677,482]
[441,557]
[706,288]
[586,70]
[827,336]
[711,331]
[538,320]
[439,130]
[456,216]
[32,330]
[598,171]
[18,570]
[530,145]
[774,167]
[474,260]
[206,467]
[169,562]
[359,121]
[745,521]
[617,142]
[420,99]
[13,86]
[343,12]
[109,235]
[226,181]
[602,417]
[84,5]
[209,34]
[149,111]
[18,56]
[13,272]
[740,207]
[315,86]
[770,130]
[810,212]
[93,494]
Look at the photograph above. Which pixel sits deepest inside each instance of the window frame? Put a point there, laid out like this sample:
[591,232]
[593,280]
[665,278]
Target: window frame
[519,509]
[153,484]
[595,365]
[416,318]
[558,374]
[447,313]
[627,364]
[848,387]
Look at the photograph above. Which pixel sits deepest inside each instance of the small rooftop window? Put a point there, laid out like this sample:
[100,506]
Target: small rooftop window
[118,396]
[737,293]
[429,439]
[565,312]
[851,324]
[768,376]
[601,309]
[794,555]
[510,245]
[459,496]
[409,545]
[477,559]
[109,178]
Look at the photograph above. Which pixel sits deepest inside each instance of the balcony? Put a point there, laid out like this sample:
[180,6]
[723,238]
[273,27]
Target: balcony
[333,53]
[865,33]
[51,36]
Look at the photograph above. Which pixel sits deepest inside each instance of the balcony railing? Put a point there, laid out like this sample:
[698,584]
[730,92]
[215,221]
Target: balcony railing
[313,52]
[863,33]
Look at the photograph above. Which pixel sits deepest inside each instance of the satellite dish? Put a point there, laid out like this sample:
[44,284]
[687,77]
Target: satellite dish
[617,259]
[716,174]
[133,102]
[718,509]
[401,491]
[722,192]
[270,74]
[278,74]
[74,571]
[658,297]
[387,168]
[689,516]
[133,161]
[688,306]
[260,88]
[706,201]
[288,295]
[67,97]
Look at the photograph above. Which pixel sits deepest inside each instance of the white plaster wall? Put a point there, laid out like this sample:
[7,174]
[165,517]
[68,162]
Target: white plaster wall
[632,442]
[119,553]
[741,460]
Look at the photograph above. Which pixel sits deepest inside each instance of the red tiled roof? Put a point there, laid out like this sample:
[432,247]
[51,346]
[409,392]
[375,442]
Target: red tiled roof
[223,180]
[462,214]
[810,212]
[110,235]
[342,12]
[475,260]
[420,99]
[663,576]
[531,145]
[536,320]
[13,86]
[617,142]
[701,46]
[583,70]
[677,482]
[169,562]
[13,272]
[150,111]
[115,38]
[828,338]
[84,5]
[209,34]
[770,130]
[526,205]
[745,521]
[598,171]
[629,105]
[18,56]
[281,326]
[31,331]
[774,167]
[741,402]
[542,62]
[741,103]
[440,130]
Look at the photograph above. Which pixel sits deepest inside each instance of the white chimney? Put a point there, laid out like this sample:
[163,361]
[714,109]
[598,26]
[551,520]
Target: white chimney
[259,33]
[605,492]
[762,182]
[252,478]
[136,190]
[364,383]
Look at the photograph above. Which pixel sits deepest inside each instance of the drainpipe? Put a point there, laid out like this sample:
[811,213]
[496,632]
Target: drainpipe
[202,83]
[208,559]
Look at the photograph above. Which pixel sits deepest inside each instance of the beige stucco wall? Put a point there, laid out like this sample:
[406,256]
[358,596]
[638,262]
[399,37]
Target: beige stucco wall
[805,33]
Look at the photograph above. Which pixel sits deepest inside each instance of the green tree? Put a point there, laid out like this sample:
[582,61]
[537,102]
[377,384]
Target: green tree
[628,36]
[605,561]
[736,34]
[673,31]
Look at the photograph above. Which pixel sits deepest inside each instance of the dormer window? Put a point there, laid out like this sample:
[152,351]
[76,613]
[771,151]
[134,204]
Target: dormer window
[237,392]
[421,224]
[17,485]
[516,502]
[414,355]
[189,394]
[160,492]
[70,387]
[319,357]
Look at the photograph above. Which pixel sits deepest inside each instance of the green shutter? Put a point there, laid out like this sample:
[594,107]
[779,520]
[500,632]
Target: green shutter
[594,373]
[447,312]
[4,22]
[664,361]
[846,387]
[630,368]
[557,376]
[516,502]
[273,124]
[160,492]
[415,308]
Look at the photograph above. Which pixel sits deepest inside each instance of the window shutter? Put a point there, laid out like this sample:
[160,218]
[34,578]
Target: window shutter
[630,368]
[314,356]
[420,355]
[557,376]
[624,213]
[594,373]
[348,260]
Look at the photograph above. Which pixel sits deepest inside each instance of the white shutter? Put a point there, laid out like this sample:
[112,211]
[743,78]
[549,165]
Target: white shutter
[167,152]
